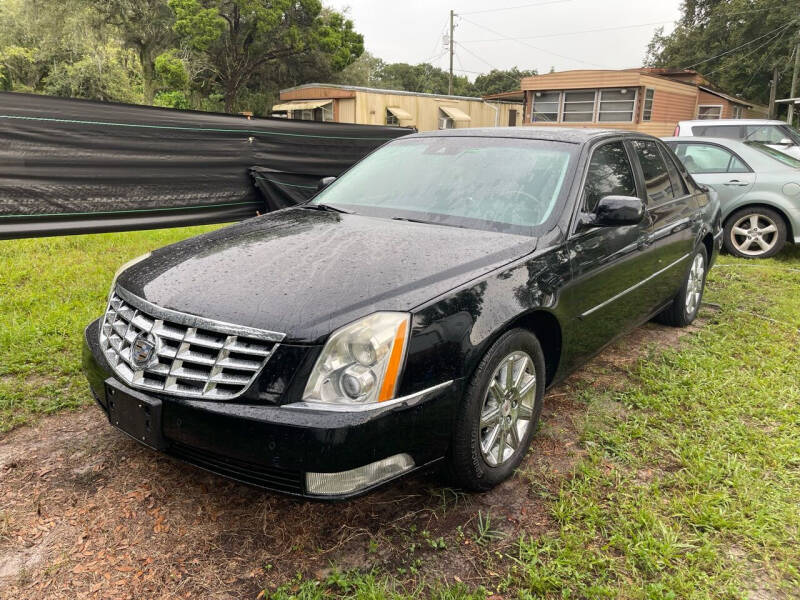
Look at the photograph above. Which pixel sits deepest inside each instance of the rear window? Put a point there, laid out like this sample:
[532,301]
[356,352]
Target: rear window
[776,154]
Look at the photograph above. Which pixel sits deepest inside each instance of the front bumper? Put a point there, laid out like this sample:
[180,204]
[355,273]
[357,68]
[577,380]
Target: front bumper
[273,446]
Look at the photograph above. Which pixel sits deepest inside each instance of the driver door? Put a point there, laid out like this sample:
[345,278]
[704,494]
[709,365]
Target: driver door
[605,296]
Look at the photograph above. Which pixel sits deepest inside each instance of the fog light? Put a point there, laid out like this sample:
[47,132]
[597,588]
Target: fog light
[329,484]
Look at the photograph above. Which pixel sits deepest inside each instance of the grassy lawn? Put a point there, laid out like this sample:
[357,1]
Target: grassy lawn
[50,289]
[689,486]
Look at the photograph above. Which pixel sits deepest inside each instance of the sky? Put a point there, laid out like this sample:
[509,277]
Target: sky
[556,31]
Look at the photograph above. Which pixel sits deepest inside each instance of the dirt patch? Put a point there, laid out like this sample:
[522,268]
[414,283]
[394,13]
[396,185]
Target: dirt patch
[89,513]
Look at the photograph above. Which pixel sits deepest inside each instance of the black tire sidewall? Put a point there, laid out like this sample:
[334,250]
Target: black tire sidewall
[771,214]
[468,466]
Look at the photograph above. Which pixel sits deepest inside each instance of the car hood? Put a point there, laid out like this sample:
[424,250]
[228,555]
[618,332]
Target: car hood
[305,272]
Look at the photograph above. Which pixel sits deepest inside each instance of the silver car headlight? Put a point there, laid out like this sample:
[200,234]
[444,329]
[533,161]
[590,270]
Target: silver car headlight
[127,265]
[361,362]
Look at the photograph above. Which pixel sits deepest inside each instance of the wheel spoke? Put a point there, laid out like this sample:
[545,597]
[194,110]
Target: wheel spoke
[745,244]
[514,436]
[525,412]
[508,382]
[529,385]
[521,374]
[739,231]
[762,244]
[490,416]
[753,221]
[496,391]
[490,440]
[769,229]
[501,445]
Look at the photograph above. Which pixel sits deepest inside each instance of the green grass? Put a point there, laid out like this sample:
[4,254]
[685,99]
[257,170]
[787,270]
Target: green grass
[690,487]
[50,289]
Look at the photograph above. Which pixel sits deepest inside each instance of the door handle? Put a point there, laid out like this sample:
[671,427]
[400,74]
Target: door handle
[736,182]
[644,242]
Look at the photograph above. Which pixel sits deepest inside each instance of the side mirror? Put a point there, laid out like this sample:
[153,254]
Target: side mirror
[615,211]
[786,142]
[325,182]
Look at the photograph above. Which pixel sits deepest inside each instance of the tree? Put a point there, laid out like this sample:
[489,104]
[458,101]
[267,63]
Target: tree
[424,78]
[496,80]
[709,35]
[146,27]
[242,40]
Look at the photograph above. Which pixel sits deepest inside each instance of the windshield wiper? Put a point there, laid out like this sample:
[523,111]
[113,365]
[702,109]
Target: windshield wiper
[408,220]
[326,208]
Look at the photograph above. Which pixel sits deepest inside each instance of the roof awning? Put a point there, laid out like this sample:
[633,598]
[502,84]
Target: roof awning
[455,114]
[300,105]
[401,114]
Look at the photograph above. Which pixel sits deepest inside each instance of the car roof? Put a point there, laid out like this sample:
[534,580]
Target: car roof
[574,135]
[696,139]
[732,122]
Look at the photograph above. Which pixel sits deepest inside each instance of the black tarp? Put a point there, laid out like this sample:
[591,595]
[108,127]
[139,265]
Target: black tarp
[78,166]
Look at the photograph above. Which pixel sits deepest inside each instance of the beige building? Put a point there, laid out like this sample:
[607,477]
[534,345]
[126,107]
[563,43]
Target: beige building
[372,106]
[651,100]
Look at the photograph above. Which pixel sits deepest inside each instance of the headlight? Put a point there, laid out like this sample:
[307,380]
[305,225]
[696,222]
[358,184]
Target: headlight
[361,362]
[127,265]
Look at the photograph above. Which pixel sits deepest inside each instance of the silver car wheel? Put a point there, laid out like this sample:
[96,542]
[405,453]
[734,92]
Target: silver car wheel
[507,409]
[694,286]
[754,234]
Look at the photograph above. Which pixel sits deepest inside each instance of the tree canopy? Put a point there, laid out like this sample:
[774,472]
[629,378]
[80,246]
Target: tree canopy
[230,55]
[734,43]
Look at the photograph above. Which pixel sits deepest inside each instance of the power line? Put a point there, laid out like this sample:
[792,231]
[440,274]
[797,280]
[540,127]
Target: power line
[784,26]
[491,66]
[489,10]
[776,38]
[547,35]
[531,45]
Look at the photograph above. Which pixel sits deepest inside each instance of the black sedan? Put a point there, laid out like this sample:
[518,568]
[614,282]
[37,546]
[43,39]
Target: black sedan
[413,312]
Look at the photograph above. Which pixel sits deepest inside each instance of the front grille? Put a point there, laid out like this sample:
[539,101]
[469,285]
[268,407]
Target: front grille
[152,348]
[272,478]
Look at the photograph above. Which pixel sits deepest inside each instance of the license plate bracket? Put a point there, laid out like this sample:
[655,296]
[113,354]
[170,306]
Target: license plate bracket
[135,414]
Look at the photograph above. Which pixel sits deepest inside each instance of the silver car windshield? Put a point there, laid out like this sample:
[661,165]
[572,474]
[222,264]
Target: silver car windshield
[501,184]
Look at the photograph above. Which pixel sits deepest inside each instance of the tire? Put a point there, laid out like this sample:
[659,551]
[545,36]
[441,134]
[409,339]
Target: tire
[754,232]
[469,465]
[685,306]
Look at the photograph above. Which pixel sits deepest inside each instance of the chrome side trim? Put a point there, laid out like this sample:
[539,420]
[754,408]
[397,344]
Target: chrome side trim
[373,407]
[633,287]
[194,321]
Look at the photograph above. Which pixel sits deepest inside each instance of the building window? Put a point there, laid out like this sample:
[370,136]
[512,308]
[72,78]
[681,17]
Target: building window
[545,106]
[391,119]
[445,122]
[616,105]
[737,111]
[647,109]
[579,106]
[709,111]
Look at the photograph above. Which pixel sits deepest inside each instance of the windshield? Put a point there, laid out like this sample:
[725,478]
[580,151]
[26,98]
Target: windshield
[776,154]
[501,184]
[766,134]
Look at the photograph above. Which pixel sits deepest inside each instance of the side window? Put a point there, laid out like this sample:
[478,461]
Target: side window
[707,158]
[656,176]
[610,173]
[679,188]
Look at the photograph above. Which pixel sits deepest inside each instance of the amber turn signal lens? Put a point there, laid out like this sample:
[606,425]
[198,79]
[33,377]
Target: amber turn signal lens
[393,368]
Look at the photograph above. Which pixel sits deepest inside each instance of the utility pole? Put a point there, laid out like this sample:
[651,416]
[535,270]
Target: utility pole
[773,92]
[450,80]
[795,76]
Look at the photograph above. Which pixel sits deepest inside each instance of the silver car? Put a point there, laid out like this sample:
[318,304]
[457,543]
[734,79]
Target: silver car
[758,188]
[775,134]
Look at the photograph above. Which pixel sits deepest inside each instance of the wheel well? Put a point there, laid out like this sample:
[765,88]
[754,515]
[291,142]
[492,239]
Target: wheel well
[547,330]
[789,232]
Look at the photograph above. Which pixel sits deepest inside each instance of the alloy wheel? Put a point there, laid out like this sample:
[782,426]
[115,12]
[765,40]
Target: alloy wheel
[507,409]
[754,234]
[694,286]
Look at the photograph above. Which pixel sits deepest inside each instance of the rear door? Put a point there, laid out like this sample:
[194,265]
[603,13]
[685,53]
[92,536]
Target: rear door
[604,296]
[673,212]
[716,166]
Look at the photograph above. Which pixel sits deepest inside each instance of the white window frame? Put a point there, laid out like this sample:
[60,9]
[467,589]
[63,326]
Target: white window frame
[644,104]
[563,105]
[559,104]
[632,111]
[719,116]
[446,121]
[737,111]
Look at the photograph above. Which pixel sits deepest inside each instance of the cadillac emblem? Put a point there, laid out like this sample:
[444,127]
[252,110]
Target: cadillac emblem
[142,350]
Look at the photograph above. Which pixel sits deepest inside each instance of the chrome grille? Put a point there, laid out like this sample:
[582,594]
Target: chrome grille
[190,356]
